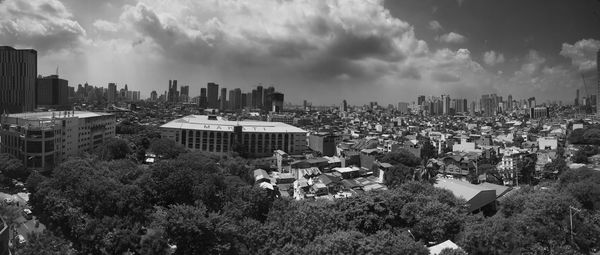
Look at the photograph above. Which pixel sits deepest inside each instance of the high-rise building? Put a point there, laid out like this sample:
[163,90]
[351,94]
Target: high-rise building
[489,105]
[402,107]
[52,92]
[173,96]
[213,95]
[577,98]
[259,100]
[184,95]
[420,100]
[18,73]
[203,98]
[446,104]
[598,87]
[238,99]
[112,93]
[345,105]
[223,99]
[509,105]
[153,95]
[277,102]
[267,100]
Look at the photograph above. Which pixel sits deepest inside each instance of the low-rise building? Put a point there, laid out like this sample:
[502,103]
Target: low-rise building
[43,139]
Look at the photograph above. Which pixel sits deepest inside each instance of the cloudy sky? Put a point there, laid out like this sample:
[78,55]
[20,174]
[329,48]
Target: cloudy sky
[320,50]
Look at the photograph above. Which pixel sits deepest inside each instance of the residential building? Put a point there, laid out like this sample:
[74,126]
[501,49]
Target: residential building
[324,142]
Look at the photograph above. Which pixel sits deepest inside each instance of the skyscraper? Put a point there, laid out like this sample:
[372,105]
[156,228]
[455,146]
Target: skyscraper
[18,73]
[267,100]
[153,96]
[577,98]
[259,97]
[277,102]
[223,99]
[420,100]
[598,78]
[203,99]
[509,106]
[345,105]
[185,94]
[238,99]
[52,92]
[173,96]
[213,95]
[112,93]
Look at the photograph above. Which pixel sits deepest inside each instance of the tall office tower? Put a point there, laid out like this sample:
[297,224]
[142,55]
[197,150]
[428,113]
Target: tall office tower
[52,92]
[531,102]
[267,99]
[173,96]
[223,99]
[255,99]
[231,105]
[446,104]
[112,93]
[345,105]
[203,99]
[184,94]
[18,73]
[420,100]
[509,106]
[577,98]
[247,100]
[489,105]
[213,95]
[277,102]
[238,99]
[259,100]
[598,78]
[153,95]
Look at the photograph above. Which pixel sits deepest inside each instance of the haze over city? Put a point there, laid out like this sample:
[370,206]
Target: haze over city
[323,51]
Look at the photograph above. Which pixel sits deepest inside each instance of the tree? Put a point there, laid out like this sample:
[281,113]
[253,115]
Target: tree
[46,243]
[11,167]
[401,156]
[398,175]
[518,140]
[555,168]
[428,151]
[114,148]
[580,157]
[166,148]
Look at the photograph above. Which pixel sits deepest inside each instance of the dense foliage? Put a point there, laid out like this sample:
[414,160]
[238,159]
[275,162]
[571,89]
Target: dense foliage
[205,204]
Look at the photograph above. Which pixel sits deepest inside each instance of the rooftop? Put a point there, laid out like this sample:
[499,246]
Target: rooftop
[56,115]
[202,122]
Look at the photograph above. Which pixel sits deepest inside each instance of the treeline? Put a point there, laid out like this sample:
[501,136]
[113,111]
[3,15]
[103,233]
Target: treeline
[204,204]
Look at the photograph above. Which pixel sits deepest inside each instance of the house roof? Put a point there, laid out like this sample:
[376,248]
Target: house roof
[437,249]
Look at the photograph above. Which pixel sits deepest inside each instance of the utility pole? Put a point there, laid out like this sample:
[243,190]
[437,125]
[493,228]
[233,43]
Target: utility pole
[571,208]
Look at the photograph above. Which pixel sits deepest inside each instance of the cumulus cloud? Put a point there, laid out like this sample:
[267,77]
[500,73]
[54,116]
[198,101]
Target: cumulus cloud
[106,26]
[492,58]
[452,38]
[435,25]
[582,53]
[326,39]
[41,24]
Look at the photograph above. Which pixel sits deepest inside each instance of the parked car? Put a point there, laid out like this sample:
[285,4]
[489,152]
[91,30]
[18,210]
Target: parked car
[27,214]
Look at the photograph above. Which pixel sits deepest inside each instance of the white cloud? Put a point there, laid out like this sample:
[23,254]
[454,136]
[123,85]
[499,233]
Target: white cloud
[582,53]
[106,26]
[41,24]
[492,58]
[452,38]
[435,25]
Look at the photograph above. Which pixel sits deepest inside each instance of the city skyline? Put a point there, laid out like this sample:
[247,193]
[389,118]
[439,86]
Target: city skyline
[395,51]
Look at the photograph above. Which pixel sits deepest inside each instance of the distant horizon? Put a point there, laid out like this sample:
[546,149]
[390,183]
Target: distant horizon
[324,51]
